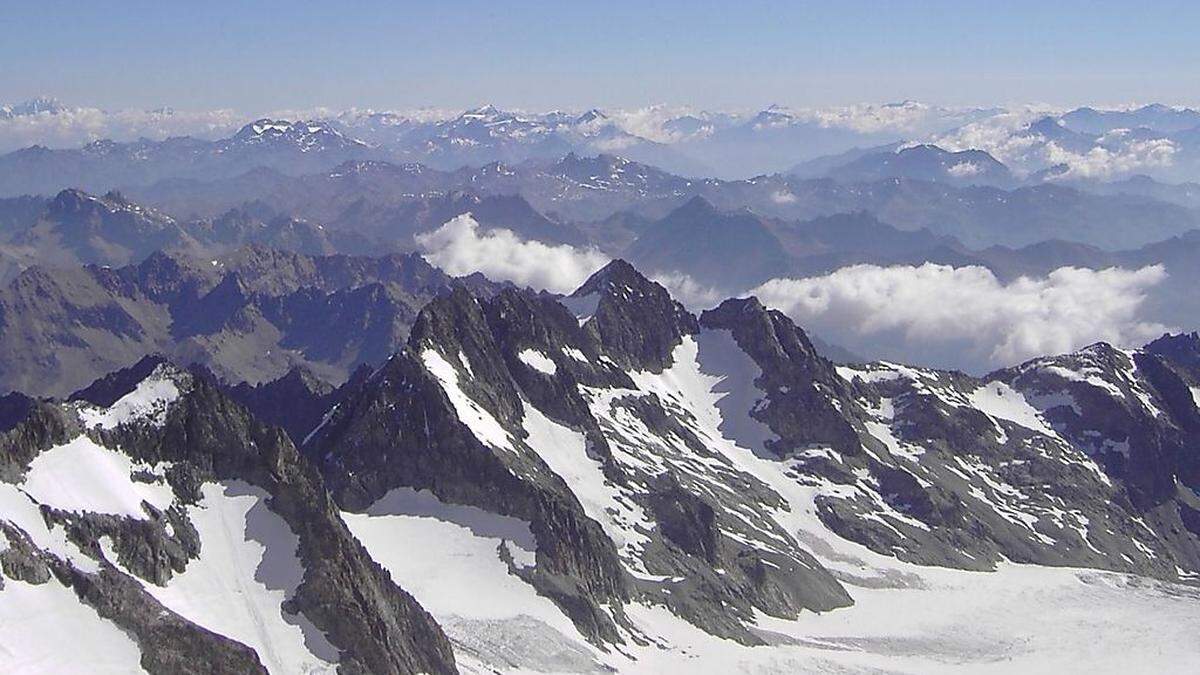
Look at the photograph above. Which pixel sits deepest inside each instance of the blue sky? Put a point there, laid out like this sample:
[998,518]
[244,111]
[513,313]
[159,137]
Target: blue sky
[270,55]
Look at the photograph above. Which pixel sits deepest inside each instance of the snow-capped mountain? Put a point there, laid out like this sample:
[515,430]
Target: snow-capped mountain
[222,555]
[1156,116]
[304,136]
[609,482]
[926,162]
[1088,144]
[36,106]
[488,134]
[293,148]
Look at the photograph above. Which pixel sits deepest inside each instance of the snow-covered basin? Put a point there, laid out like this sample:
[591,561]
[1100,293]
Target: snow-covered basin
[906,618]
[448,557]
[1018,619]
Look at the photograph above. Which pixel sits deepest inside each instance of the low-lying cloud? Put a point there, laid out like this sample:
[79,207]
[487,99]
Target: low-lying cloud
[959,317]
[74,127]
[691,293]
[965,317]
[1120,158]
[459,247]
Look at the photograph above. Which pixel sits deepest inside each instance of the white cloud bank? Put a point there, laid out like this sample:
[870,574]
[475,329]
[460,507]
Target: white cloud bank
[961,317]
[460,248]
[74,127]
[1007,138]
[1121,158]
[965,316]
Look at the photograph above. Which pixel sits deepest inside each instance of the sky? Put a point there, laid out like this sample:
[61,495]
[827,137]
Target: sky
[260,56]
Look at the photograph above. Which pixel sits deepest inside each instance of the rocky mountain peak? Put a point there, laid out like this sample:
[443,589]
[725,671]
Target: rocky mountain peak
[1047,126]
[1182,349]
[70,202]
[75,208]
[696,207]
[808,401]
[592,116]
[302,378]
[635,318]
[35,106]
[305,135]
[486,110]
[112,387]
[772,339]
[454,326]
[617,272]
[232,289]
[116,197]
[14,407]
[292,402]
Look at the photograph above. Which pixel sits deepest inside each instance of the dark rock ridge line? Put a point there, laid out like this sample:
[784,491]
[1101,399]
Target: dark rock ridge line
[203,436]
[252,317]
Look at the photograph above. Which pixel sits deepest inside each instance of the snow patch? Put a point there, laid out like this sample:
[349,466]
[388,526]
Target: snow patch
[575,354]
[461,580]
[47,629]
[148,401]
[538,361]
[564,450]
[478,420]
[998,400]
[82,476]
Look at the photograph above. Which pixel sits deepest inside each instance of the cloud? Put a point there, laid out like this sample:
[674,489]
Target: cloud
[653,122]
[965,317]
[964,169]
[74,127]
[908,118]
[693,294]
[1121,158]
[460,248]
[1007,138]
[938,315]
[998,135]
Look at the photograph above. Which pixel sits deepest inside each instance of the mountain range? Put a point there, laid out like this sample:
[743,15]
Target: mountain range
[1035,143]
[717,250]
[599,482]
[577,191]
[249,316]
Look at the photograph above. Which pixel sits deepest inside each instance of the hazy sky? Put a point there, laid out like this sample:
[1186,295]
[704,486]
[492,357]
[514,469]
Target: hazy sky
[271,55]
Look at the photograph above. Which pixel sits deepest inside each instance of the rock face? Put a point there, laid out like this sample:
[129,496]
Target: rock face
[636,319]
[291,402]
[252,317]
[188,451]
[78,228]
[1135,413]
[490,417]
[729,250]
